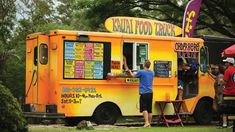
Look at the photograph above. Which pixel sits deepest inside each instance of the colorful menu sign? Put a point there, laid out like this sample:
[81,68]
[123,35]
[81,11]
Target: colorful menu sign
[141,26]
[83,60]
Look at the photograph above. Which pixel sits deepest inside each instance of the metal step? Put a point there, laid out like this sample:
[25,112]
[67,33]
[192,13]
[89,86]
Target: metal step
[43,115]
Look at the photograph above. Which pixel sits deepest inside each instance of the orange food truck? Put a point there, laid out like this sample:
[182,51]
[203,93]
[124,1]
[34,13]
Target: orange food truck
[80,74]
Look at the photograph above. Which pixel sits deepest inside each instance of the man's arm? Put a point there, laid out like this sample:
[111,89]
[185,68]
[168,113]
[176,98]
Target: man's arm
[125,64]
[131,73]
[221,81]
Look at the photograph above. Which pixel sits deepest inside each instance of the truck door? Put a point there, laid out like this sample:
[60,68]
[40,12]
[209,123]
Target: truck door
[37,70]
[43,69]
[188,77]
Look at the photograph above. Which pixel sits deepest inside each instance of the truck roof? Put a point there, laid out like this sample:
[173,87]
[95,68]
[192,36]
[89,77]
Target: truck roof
[108,34]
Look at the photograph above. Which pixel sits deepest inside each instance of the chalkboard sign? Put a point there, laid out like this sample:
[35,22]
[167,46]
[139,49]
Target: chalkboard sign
[162,69]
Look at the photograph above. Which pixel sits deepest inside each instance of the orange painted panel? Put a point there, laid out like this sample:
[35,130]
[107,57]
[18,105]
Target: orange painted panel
[43,70]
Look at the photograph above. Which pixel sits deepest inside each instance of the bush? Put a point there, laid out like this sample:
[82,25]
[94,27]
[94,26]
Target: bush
[11,116]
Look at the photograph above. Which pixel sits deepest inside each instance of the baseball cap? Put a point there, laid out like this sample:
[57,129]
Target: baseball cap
[229,60]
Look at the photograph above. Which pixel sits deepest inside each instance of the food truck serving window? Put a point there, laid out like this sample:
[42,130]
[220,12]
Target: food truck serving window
[86,60]
[136,54]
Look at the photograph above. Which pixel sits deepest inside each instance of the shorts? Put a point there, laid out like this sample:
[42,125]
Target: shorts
[226,106]
[146,101]
[180,84]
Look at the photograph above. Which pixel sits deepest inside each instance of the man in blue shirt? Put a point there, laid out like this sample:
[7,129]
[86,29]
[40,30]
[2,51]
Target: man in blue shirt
[146,91]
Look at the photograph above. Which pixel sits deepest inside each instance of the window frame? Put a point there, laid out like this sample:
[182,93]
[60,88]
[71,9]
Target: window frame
[106,62]
[35,56]
[43,54]
[134,54]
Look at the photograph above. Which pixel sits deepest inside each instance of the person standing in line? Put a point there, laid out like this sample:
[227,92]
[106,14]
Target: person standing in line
[218,75]
[229,76]
[229,81]
[218,87]
[146,91]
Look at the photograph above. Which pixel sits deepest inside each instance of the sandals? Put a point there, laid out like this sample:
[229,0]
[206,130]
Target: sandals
[147,125]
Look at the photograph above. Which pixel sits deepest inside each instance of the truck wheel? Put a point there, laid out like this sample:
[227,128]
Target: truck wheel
[106,113]
[203,113]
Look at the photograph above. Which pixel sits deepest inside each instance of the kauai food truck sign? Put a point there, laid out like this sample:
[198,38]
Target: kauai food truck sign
[140,26]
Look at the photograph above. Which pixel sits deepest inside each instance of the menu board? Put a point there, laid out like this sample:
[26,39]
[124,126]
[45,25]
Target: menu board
[83,60]
[69,68]
[162,69]
[79,69]
[79,48]
[98,70]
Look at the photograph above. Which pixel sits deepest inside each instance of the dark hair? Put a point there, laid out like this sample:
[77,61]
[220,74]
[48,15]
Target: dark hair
[147,64]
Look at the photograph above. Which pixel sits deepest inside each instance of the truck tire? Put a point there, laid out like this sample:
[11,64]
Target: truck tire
[106,113]
[203,113]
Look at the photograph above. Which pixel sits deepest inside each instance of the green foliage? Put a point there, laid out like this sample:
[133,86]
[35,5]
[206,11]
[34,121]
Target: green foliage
[51,26]
[14,72]
[11,119]
[7,18]
[92,13]
[66,11]
[39,12]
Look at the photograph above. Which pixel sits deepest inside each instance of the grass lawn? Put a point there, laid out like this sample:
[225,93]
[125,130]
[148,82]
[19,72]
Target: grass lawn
[139,129]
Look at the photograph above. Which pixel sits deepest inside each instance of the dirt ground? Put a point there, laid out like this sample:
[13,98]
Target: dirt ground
[96,127]
[122,123]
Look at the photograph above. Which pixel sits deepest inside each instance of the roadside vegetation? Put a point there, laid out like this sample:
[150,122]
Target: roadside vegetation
[11,119]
